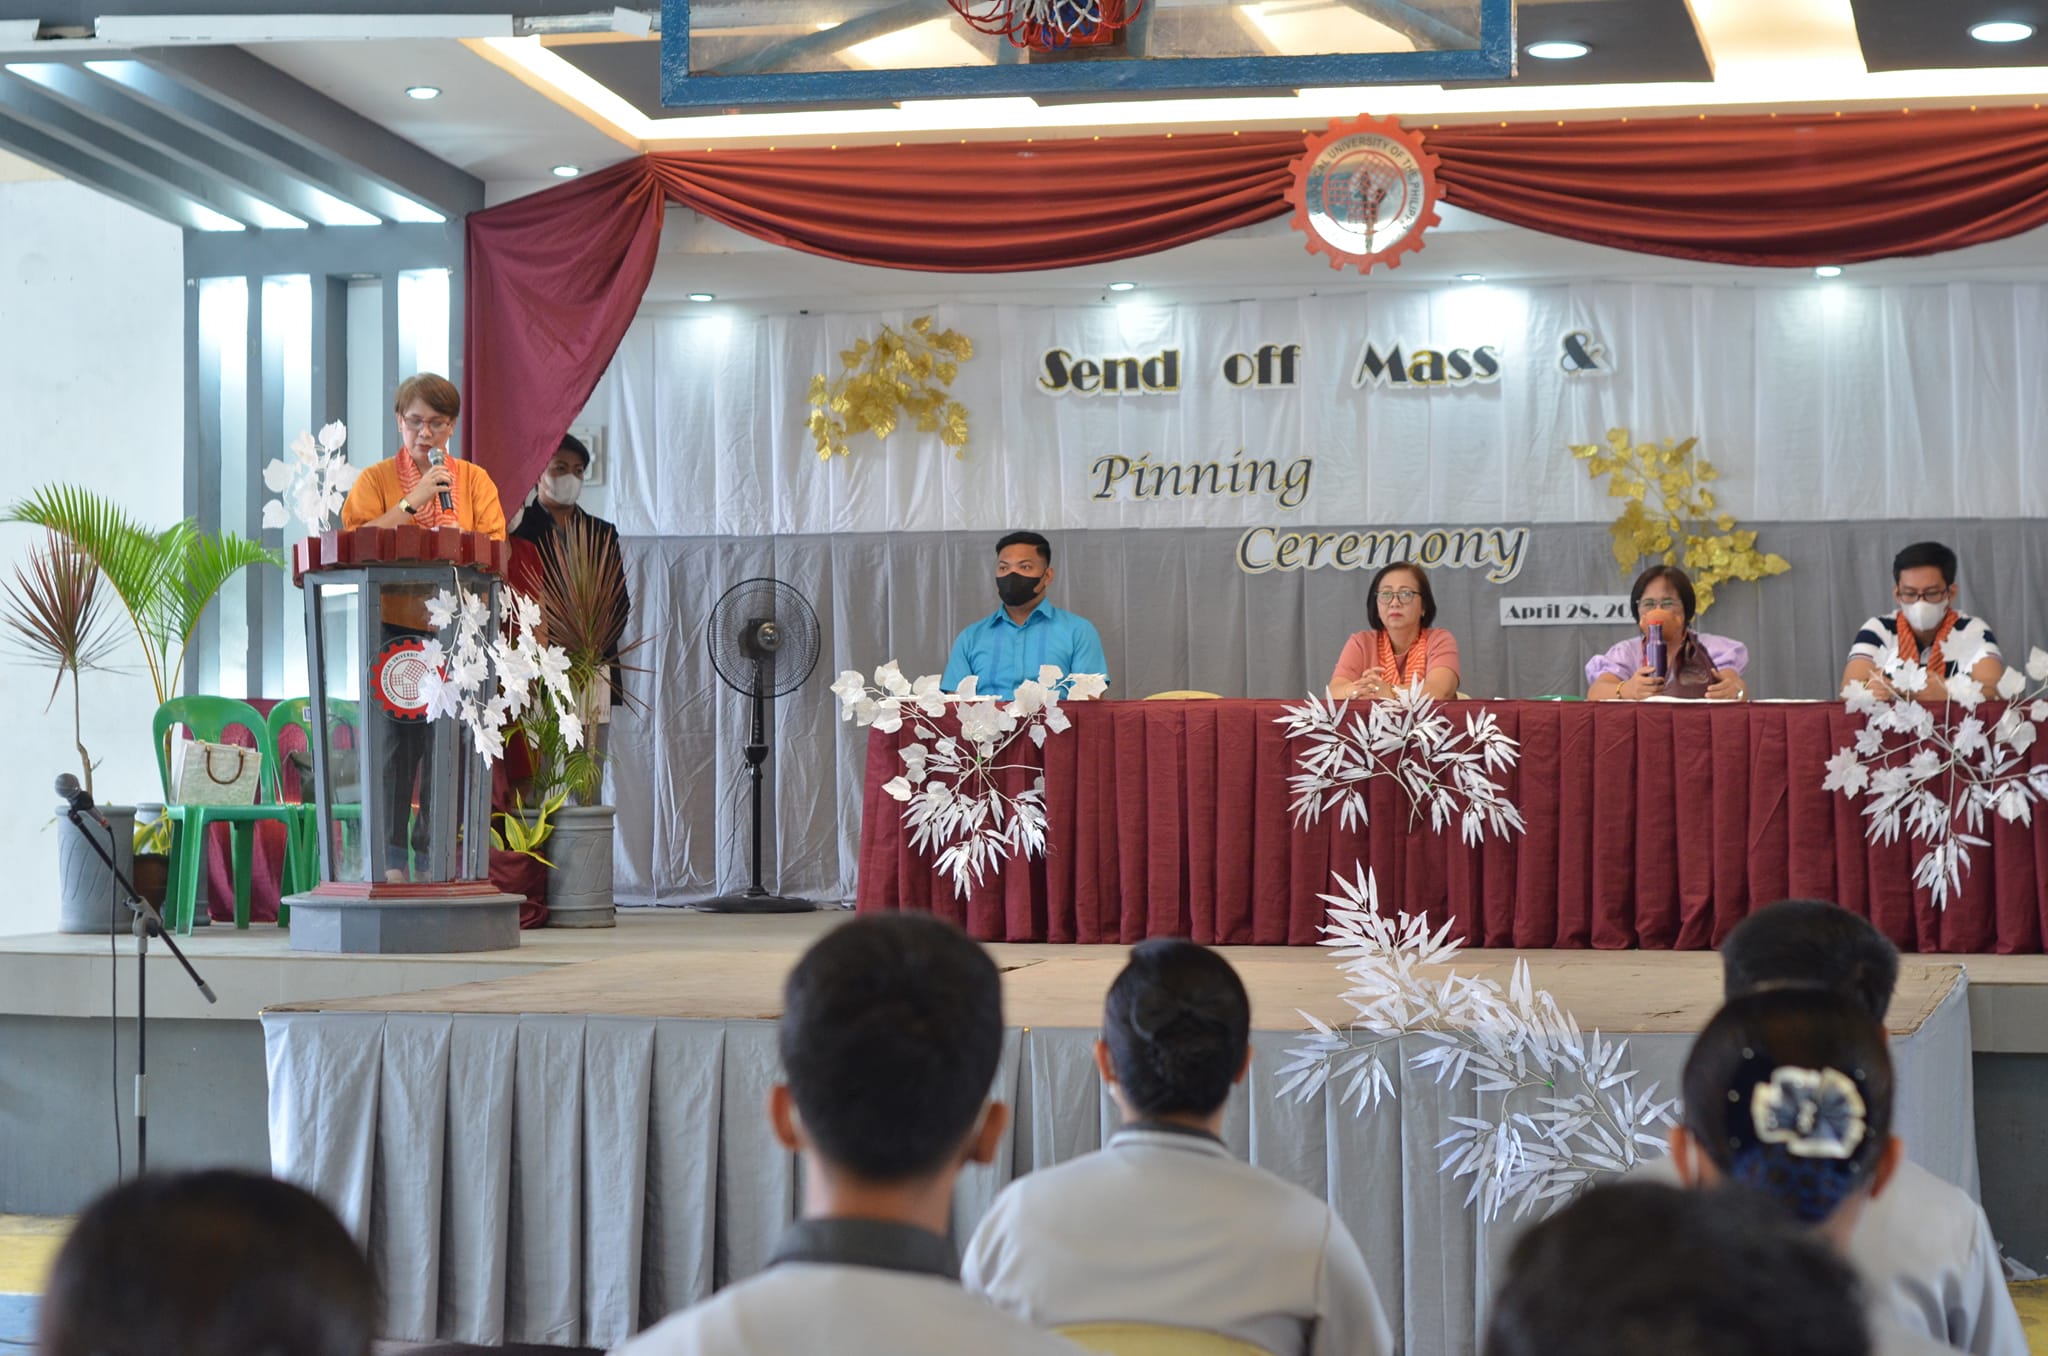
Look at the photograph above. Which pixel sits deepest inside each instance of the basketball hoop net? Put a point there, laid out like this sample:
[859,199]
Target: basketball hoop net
[1049,25]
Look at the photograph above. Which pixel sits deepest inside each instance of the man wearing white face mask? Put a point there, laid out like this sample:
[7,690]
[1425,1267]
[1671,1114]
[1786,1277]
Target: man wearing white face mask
[1926,630]
[555,508]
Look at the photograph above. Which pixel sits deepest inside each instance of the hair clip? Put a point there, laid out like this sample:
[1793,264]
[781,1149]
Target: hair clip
[1814,1113]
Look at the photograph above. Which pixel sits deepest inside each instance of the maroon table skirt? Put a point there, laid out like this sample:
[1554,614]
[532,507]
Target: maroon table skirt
[1657,826]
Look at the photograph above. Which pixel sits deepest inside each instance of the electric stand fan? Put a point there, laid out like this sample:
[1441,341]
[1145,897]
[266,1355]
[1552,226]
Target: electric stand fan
[763,638]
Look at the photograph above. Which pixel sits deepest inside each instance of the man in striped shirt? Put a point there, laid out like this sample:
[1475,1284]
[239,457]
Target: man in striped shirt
[1925,630]
[1027,632]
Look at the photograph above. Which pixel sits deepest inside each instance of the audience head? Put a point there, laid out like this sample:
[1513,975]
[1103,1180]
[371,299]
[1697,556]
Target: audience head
[1925,555]
[1788,1092]
[215,1263]
[1676,585]
[1810,943]
[1402,574]
[1176,1029]
[892,1026]
[1638,1267]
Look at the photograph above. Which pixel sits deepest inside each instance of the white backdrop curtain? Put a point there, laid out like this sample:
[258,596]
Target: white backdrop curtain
[1845,420]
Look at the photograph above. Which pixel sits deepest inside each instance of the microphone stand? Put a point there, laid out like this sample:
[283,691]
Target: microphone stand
[148,923]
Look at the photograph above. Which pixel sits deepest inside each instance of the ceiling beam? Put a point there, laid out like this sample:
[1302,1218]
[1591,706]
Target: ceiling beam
[324,168]
[211,30]
[87,14]
[107,103]
[22,100]
[123,185]
[256,91]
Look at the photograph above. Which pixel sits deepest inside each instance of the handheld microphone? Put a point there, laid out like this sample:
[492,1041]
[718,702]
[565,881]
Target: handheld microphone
[80,801]
[438,457]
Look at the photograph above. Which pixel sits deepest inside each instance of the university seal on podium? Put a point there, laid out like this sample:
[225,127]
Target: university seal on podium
[1363,192]
[396,676]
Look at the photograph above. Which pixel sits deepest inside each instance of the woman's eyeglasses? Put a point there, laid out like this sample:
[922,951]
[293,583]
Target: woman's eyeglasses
[1402,596]
[1648,605]
[428,425]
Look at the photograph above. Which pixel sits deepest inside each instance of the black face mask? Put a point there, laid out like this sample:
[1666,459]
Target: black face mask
[1016,589]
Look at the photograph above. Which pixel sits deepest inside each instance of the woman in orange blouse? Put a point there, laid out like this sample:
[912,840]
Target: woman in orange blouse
[406,488]
[1402,648]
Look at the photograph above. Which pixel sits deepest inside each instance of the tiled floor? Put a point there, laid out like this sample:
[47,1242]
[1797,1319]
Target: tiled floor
[27,1247]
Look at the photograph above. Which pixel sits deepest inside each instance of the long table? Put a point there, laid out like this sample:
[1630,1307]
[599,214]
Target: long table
[1656,825]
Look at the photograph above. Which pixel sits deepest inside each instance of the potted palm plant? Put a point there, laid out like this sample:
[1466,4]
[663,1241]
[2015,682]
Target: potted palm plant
[164,581]
[58,614]
[583,607]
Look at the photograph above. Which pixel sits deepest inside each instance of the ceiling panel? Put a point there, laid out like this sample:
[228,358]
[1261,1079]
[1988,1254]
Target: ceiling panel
[486,121]
[1918,35]
[1631,42]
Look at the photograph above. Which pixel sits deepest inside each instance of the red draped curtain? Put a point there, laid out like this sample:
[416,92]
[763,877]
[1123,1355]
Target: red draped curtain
[555,279]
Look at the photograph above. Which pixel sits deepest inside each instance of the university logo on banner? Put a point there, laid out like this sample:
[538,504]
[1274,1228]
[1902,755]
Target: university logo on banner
[1363,193]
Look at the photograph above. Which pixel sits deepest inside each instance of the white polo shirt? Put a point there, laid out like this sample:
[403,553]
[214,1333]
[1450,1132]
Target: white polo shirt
[1968,640]
[1165,1225]
[1926,1247]
[851,1287]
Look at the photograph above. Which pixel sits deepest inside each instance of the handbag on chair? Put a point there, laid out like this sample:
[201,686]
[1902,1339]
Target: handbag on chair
[203,773]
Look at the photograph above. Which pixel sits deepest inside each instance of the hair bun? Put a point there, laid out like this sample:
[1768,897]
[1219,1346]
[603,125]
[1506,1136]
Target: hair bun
[1159,1012]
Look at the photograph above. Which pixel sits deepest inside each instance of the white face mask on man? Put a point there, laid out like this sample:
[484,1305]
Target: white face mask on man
[1922,615]
[562,490]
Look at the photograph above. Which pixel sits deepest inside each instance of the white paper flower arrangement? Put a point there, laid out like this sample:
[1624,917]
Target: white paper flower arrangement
[486,681]
[1938,776]
[1407,738]
[313,483]
[951,786]
[1556,1107]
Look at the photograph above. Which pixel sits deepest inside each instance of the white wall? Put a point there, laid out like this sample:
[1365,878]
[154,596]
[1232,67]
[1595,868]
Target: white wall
[92,393]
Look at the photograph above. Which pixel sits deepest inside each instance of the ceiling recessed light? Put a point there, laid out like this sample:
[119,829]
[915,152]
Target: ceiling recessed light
[567,171]
[702,296]
[1471,277]
[2002,30]
[1557,50]
[1828,271]
[1121,286]
[422,92]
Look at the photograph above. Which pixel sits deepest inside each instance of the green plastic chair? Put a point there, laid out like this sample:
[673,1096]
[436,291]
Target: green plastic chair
[297,711]
[209,718]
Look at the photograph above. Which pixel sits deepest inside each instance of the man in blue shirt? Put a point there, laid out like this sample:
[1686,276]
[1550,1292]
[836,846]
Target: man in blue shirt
[1013,642]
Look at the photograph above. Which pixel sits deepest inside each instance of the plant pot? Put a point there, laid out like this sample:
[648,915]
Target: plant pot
[580,884]
[88,899]
[516,873]
[152,876]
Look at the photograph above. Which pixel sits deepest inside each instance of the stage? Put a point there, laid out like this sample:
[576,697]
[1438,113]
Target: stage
[564,1155]
[558,1142]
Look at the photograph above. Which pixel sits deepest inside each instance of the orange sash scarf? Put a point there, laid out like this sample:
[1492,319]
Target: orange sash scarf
[1909,644]
[1408,669]
[431,514]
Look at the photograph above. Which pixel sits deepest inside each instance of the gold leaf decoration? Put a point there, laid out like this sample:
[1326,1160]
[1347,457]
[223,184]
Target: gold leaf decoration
[1671,516]
[894,379]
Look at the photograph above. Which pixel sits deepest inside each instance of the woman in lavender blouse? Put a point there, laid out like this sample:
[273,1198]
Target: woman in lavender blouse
[1699,665]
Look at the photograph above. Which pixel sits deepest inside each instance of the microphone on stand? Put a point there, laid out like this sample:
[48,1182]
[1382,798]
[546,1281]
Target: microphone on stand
[438,457]
[78,799]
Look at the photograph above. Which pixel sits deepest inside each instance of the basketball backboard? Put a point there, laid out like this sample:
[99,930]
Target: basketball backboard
[730,53]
